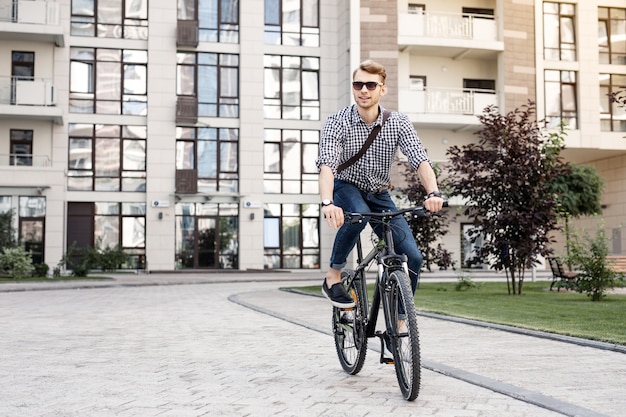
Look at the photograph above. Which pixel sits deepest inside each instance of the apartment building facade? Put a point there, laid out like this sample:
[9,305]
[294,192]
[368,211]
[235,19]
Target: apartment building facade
[186,131]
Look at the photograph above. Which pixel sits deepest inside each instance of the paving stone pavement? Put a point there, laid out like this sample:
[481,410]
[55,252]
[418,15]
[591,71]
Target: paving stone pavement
[238,346]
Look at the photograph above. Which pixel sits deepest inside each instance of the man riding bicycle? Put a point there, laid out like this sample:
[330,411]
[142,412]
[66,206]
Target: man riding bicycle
[360,184]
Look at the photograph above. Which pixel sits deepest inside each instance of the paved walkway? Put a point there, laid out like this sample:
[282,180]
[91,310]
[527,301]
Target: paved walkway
[236,345]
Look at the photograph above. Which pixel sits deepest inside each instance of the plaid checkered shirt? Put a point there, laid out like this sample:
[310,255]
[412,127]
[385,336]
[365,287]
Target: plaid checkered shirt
[344,133]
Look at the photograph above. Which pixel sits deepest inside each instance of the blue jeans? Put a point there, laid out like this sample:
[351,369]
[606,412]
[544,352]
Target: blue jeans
[351,199]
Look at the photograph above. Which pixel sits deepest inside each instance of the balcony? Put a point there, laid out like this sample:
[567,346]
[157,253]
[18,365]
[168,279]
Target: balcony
[24,160]
[29,99]
[31,21]
[450,35]
[440,108]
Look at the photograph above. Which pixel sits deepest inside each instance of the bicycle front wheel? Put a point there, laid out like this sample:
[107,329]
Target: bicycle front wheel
[403,333]
[349,327]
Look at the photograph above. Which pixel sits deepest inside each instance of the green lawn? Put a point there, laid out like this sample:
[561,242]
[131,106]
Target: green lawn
[566,313]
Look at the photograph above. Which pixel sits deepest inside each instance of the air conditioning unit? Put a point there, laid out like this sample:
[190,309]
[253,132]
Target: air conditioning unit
[187,33]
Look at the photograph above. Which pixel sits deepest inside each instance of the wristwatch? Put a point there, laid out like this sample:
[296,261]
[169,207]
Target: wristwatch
[326,202]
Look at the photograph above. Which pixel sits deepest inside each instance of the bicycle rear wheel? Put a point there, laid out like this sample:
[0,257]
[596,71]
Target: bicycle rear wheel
[349,328]
[404,335]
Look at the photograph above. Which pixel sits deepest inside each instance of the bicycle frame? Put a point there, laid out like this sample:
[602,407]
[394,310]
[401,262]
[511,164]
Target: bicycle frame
[387,262]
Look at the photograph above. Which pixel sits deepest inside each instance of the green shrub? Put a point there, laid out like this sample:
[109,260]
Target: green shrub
[16,262]
[41,270]
[108,259]
[589,255]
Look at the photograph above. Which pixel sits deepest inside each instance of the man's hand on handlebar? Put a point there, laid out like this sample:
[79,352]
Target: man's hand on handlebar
[433,204]
[334,216]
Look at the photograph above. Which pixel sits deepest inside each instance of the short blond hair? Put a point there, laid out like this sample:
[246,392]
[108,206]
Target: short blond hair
[372,67]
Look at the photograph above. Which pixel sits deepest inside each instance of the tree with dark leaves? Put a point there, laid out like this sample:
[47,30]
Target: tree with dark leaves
[505,180]
[426,230]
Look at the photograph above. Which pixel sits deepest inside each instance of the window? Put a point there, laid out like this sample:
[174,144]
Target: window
[22,69]
[612,115]
[214,153]
[560,96]
[107,158]
[291,236]
[127,19]
[480,85]
[218,20]
[21,152]
[292,22]
[32,220]
[22,65]
[291,87]
[417,82]
[108,225]
[559,34]
[213,79]
[612,35]
[108,81]
[478,13]
[416,8]
[289,161]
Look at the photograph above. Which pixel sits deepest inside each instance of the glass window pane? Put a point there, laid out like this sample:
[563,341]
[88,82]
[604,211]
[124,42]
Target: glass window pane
[135,79]
[109,11]
[32,206]
[228,157]
[271,156]
[185,155]
[134,232]
[107,161]
[207,155]
[134,155]
[108,85]
[81,78]
[107,231]
[80,153]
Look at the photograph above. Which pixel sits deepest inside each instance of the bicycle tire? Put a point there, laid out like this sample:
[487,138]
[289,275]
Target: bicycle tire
[404,341]
[349,328]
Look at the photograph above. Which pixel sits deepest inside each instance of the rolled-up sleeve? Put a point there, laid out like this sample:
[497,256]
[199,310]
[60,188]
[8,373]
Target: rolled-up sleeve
[410,144]
[331,144]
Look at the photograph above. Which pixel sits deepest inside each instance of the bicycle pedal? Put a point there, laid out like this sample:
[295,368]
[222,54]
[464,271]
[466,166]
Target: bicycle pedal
[386,361]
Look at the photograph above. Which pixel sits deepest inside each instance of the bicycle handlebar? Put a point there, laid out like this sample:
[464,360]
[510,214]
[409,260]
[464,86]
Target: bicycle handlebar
[418,211]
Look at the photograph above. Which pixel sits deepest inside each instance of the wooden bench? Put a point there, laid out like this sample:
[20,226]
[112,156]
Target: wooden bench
[618,263]
[561,277]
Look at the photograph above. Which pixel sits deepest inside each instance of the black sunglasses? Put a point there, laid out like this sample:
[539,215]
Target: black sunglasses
[371,85]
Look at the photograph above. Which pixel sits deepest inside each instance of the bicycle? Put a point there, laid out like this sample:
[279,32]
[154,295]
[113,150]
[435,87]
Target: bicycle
[354,326]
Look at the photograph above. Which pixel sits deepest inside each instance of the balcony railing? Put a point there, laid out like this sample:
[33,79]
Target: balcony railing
[31,20]
[414,27]
[454,109]
[447,101]
[29,11]
[27,92]
[14,159]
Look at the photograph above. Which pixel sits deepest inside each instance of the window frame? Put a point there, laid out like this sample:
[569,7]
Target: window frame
[275,32]
[125,177]
[308,180]
[223,176]
[560,16]
[126,27]
[305,213]
[276,101]
[94,99]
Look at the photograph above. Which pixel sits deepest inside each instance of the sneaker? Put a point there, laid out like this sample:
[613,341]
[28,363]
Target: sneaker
[337,295]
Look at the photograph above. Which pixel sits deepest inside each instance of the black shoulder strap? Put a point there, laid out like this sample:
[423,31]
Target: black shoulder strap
[366,145]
